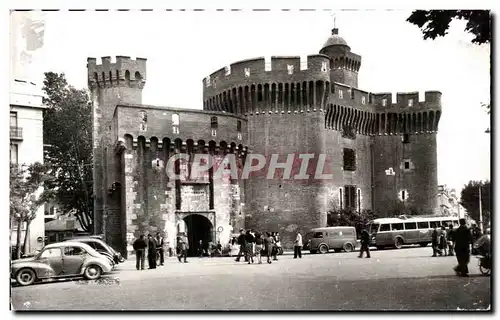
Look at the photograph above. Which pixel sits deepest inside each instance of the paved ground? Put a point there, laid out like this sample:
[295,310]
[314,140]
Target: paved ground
[407,279]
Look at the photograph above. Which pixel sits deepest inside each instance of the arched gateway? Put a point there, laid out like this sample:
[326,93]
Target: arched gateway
[197,227]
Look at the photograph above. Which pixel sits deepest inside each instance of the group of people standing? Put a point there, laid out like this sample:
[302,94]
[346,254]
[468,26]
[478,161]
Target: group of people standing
[254,244]
[459,242]
[152,246]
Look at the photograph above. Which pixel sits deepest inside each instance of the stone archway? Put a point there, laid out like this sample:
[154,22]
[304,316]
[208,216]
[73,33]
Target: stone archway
[198,227]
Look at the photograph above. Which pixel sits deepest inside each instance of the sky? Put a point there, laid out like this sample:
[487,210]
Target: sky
[184,47]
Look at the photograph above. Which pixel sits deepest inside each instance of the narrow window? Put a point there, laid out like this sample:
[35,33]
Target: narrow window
[290,69]
[175,123]
[214,124]
[410,102]
[351,90]
[349,159]
[384,102]
[238,129]
[228,70]
[363,100]
[341,94]
[340,199]
[359,199]
[350,197]
[406,138]
[13,154]
[407,165]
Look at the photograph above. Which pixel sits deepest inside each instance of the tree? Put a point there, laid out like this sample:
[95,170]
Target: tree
[469,199]
[26,196]
[345,217]
[435,23]
[67,129]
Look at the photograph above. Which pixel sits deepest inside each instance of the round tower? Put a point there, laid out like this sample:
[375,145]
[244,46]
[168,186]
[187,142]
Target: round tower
[344,64]
[405,153]
[110,84]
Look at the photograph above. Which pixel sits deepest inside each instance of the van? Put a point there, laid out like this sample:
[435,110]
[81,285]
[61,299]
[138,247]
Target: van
[323,240]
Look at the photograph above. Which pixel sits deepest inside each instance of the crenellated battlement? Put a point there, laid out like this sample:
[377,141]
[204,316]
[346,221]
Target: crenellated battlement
[406,101]
[123,71]
[258,70]
[383,101]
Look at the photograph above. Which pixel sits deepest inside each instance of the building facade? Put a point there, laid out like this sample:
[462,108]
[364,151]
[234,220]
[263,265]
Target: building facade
[449,202]
[26,109]
[26,147]
[378,154]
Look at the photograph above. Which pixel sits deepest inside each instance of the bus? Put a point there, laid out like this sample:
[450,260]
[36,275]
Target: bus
[396,232]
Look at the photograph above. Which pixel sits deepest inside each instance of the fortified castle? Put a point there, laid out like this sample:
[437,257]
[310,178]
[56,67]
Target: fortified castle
[381,154]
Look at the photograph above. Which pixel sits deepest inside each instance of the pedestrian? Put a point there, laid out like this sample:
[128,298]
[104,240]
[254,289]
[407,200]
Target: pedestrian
[449,237]
[151,252]
[269,246]
[140,254]
[365,244]
[276,238]
[242,243]
[200,248]
[259,246]
[443,243]
[160,244]
[297,247]
[462,237]
[182,247]
[249,239]
[435,243]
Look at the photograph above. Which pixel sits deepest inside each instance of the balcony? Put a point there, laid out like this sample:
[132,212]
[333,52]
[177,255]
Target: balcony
[16,133]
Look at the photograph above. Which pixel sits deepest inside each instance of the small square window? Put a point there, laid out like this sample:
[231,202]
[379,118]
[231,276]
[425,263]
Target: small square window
[406,138]
[407,165]
[384,102]
[341,94]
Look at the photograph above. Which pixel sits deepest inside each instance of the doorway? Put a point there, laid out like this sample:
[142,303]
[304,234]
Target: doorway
[198,228]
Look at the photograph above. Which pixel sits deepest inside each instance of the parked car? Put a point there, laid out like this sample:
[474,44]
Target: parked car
[101,247]
[60,260]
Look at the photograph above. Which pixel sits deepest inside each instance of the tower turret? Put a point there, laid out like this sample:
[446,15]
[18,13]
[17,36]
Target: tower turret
[344,64]
[110,84]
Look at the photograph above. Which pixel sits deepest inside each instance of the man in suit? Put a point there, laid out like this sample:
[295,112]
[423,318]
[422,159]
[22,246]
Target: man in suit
[151,252]
[140,254]
[365,244]
[462,237]
[160,244]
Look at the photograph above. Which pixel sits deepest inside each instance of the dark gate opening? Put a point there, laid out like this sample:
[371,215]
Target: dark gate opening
[198,228]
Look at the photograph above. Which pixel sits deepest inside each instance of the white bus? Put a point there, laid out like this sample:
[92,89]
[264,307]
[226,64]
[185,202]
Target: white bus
[396,232]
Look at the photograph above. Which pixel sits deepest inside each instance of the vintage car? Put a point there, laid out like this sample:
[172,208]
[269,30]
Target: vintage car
[101,247]
[60,260]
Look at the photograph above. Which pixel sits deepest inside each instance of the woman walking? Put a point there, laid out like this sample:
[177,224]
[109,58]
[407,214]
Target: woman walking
[269,243]
[259,243]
